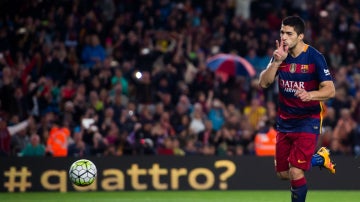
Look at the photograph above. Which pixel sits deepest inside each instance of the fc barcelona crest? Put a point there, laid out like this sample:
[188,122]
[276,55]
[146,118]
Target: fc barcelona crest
[304,68]
[292,68]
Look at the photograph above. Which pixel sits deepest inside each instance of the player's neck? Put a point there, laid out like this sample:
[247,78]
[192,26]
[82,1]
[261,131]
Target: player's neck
[298,49]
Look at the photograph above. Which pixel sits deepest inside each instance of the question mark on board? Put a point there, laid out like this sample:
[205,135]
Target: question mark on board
[230,170]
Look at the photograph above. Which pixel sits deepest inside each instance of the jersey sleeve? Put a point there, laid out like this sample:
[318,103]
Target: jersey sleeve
[322,68]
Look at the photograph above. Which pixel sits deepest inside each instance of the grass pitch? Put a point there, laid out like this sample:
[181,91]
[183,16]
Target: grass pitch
[178,196]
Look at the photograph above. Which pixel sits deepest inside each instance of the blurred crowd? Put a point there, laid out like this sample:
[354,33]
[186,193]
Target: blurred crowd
[129,77]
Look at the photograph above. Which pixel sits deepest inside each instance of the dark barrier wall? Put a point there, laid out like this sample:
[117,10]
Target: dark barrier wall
[168,173]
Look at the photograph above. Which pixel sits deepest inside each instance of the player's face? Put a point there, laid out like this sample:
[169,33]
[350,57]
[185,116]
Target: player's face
[289,36]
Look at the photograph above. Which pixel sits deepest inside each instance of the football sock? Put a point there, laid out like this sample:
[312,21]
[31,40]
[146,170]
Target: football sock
[317,160]
[298,190]
[299,194]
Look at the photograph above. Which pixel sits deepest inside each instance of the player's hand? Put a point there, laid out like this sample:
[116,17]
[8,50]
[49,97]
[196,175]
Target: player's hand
[281,51]
[304,95]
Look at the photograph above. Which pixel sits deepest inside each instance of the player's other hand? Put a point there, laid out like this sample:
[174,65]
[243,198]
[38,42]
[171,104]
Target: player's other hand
[304,95]
[281,51]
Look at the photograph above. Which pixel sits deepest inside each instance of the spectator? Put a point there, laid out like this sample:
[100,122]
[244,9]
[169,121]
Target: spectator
[344,133]
[178,151]
[254,59]
[217,114]
[162,130]
[78,148]
[190,147]
[166,148]
[112,135]
[206,137]
[144,88]
[7,92]
[265,140]
[183,129]
[68,91]
[197,124]
[335,56]
[98,145]
[119,79]
[341,101]
[227,140]
[58,140]
[143,139]
[329,124]
[55,63]
[181,110]
[34,147]
[255,113]
[19,141]
[6,133]
[93,52]
[355,107]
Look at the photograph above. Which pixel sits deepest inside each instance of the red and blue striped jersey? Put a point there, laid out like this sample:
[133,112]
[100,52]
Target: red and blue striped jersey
[307,71]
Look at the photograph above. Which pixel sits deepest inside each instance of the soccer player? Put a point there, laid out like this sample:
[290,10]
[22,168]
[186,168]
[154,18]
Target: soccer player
[304,82]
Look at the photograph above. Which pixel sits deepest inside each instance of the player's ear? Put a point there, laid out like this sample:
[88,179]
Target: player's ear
[301,36]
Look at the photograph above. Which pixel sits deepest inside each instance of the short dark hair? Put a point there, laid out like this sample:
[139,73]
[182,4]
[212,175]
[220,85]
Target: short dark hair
[296,22]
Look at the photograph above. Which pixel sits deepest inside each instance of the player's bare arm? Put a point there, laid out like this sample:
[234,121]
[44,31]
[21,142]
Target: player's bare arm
[326,91]
[267,76]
